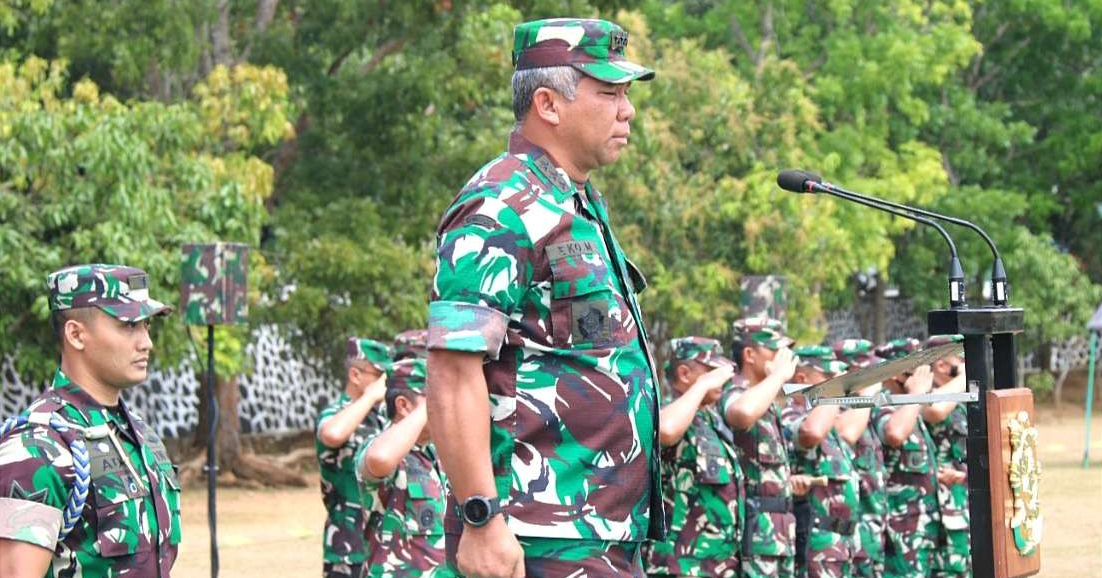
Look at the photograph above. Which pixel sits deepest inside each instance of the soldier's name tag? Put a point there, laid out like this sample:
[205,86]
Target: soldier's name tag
[570,249]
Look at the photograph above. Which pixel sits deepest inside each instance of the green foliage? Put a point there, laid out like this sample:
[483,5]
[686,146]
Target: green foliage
[355,124]
[85,178]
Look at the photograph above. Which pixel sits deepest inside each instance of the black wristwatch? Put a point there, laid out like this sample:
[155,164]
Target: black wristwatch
[478,510]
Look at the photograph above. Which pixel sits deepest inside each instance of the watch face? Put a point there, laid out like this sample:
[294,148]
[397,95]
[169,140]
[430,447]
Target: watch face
[476,510]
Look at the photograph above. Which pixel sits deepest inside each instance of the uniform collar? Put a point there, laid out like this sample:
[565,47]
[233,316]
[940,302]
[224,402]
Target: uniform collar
[70,393]
[546,167]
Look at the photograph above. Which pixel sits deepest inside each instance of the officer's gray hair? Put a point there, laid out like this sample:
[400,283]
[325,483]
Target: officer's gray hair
[562,79]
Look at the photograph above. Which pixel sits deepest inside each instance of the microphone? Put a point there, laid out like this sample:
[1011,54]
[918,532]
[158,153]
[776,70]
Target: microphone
[805,182]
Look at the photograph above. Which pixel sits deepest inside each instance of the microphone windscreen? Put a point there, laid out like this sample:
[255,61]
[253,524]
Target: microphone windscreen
[795,180]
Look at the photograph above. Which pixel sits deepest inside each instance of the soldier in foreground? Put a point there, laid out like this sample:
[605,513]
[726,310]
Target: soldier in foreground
[342,427]
[86,486]
[402,487]
[750,409]
[818,452]
[702,480]
[910,460]
[543,395]
[854,428]
[949,430]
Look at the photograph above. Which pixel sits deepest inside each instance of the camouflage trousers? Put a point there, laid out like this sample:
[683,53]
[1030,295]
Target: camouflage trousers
[910,564]
[562,558]
[768,567]
[341,570]
[829,569]
[953,558]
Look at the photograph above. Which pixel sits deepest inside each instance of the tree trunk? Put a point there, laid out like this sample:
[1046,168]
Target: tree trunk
[235,465]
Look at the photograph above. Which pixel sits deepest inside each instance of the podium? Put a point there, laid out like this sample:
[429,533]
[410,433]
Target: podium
[991,369]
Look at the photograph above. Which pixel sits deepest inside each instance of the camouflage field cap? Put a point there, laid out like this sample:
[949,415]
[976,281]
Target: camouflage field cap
[375,353]
[119,291]
[593,47]
[763,331]
[702,349]
[820,357]
[936,340]
[407,375]
[411,343]
[897,348]
[855,352]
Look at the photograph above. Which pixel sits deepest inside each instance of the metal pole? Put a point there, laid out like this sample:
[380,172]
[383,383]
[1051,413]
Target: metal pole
[978,369]
[1090,399]
[212,462]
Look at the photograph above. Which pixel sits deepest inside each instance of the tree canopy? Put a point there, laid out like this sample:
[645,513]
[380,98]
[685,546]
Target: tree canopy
[331,134]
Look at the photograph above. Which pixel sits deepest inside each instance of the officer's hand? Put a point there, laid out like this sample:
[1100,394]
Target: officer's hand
[376,389]
[712,383]
[920,381]
[491,551]
[783,364]
[800,484]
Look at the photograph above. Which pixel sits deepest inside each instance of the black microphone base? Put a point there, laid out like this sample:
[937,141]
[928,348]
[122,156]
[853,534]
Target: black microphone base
[976,321]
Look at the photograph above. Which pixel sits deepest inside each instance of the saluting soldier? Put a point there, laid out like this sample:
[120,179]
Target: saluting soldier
[854,427]
[702,479]
[910,459]
[342,427]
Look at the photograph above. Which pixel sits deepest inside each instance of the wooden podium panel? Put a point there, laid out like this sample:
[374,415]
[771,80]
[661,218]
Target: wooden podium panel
[1002,406]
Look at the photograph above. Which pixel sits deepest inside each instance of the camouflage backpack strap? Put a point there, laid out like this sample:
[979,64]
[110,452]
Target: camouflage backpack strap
[78,496]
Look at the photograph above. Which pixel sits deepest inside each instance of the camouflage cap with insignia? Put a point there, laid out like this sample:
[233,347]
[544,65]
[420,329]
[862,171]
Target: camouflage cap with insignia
[593,47]
[762,331]
[119,291]
[702,349]
[898,348]
[407,375]
[820,357]
[375,353]
[411,343]
[856,352]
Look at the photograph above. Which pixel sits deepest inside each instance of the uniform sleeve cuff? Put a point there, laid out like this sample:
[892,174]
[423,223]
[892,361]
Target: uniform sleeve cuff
[31,522]
[458,326]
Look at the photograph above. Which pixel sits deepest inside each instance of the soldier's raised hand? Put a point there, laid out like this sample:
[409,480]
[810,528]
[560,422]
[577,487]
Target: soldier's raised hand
[783,364]
[712,383]
[920,381]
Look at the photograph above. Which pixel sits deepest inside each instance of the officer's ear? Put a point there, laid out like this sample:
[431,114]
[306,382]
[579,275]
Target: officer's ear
[73,327]
[545,105]
[683,373]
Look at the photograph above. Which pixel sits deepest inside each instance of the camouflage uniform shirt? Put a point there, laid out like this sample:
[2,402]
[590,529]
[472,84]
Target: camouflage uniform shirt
[344,524]
[703,494]
[835,507]
[869,462]
[130,524]
[530,274]
[764,460]
[913,515]
[405,529]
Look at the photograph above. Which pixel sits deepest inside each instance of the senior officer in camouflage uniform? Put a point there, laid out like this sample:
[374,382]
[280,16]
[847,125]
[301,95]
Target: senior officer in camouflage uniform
[817,451]
[543,395]
[702,480]
[342,427]
[78,438]
[950,434]
[853,428]
[910,459]
[402,487]
[750,409]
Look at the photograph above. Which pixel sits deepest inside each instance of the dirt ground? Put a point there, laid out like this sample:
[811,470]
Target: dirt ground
[278,532]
